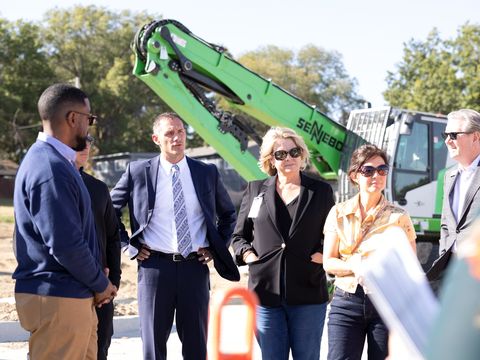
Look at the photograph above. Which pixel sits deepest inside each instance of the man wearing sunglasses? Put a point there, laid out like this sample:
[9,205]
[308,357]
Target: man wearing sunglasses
[461,196]
[59,276]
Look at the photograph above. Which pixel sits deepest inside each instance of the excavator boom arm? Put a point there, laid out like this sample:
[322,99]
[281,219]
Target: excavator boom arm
[183,70]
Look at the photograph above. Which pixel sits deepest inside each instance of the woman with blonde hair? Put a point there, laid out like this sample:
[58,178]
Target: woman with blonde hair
[279,236]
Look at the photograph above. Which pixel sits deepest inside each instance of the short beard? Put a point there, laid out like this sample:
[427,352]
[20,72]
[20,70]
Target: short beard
[81,143]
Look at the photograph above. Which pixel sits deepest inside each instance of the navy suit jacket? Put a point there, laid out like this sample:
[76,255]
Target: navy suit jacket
[137,187]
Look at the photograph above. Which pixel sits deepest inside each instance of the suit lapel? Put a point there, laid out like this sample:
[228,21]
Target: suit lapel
[151,176]
[304,199]
[269,186]
[450,185]
[472,190]
[199,183]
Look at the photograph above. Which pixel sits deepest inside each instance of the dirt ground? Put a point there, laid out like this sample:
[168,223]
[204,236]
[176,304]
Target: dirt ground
[125,303]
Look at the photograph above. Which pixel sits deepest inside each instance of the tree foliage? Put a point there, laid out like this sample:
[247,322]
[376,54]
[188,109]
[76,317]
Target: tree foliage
[438,75]
[315,75]
[24,73]
[92,45]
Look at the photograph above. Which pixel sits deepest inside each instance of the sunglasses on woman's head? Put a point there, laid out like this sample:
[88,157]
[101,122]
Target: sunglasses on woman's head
[368,171]
[282,154]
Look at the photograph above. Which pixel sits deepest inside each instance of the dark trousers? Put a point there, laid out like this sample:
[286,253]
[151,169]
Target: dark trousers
[167,289]
[351,318]
[104,330]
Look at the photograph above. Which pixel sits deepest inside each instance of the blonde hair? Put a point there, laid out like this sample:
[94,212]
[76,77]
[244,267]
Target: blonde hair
[268,142]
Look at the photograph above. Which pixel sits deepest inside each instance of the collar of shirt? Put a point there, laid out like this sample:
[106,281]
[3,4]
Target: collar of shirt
[352,206]
[167,166]
[470,168]
[66,151]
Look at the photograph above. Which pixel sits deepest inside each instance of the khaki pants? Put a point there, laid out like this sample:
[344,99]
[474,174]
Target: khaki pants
[60,328]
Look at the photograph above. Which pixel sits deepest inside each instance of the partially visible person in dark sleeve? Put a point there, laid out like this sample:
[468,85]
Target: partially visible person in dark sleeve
[106,225]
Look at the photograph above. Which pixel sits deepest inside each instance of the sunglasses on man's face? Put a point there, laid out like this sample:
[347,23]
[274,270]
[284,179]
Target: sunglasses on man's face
[453,135]
[92,119]
[282,154]
[368,171]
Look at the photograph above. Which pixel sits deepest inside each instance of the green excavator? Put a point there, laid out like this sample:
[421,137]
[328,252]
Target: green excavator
[185,70]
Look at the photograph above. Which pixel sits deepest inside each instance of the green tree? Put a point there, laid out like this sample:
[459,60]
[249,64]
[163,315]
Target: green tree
[24,74]
[466,51]
[438,75]
[91,45]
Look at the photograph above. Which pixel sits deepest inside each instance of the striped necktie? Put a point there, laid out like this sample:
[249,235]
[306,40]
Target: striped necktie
[184,239]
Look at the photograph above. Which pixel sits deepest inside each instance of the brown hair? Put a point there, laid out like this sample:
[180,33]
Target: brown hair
[361,155]
[165,115]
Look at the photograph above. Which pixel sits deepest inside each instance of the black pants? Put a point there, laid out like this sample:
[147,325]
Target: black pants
[168,289]
[104,330]
[353,317]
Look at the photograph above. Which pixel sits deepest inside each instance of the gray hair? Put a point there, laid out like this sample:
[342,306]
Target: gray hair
[268,142]
[469,116]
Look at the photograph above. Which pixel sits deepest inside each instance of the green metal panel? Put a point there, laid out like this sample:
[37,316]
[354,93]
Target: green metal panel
[439,192]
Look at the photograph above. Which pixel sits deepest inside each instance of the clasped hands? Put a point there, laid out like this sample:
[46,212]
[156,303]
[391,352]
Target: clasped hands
[107,295]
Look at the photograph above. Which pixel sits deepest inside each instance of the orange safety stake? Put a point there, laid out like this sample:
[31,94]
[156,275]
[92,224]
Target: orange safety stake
[216,345]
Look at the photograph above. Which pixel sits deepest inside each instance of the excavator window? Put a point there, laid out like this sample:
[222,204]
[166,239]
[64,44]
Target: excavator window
[411,161]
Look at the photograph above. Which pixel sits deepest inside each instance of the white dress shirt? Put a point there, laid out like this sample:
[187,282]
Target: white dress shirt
[462,184]
[161,234]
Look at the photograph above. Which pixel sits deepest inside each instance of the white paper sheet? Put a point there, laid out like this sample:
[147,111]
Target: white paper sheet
[399,290]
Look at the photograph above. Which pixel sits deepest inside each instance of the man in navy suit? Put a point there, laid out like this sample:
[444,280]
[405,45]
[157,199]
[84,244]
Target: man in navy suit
[181,218]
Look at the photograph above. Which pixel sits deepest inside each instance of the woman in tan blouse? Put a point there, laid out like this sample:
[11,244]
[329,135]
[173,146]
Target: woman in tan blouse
[349,231]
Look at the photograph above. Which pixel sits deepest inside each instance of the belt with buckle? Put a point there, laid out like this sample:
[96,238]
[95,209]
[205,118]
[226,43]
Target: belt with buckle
[175,257]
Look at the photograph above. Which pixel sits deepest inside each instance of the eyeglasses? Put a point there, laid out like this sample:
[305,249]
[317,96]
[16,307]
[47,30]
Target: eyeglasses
[282,154]
[92,119]
[368,171]
[453,135]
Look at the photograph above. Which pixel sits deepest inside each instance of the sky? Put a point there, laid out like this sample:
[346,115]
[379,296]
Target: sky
[369,34]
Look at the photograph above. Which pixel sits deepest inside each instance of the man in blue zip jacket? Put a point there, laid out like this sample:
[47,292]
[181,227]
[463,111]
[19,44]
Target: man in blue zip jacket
[59,277]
